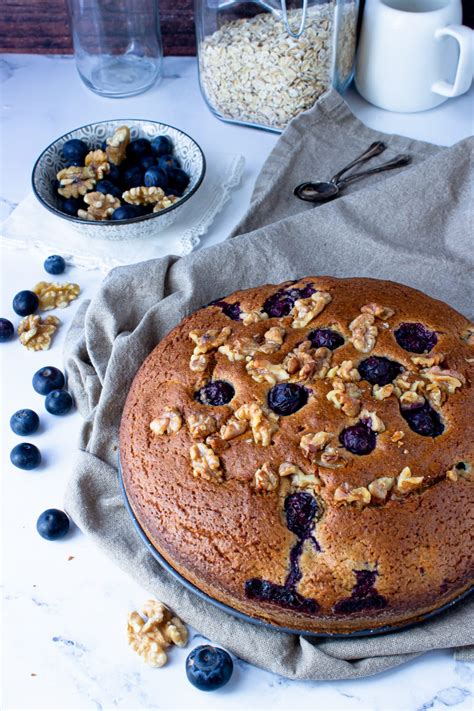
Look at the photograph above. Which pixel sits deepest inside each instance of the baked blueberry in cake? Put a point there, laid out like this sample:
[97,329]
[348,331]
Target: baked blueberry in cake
[304,452]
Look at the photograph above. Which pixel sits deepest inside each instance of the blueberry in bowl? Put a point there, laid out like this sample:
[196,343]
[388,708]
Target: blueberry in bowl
[142,152]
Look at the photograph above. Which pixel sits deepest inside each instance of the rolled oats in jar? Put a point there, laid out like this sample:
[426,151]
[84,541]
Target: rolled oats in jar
[263,67]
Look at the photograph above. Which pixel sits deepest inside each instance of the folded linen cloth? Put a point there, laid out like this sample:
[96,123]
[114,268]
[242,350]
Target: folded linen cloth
[31,226]
[411,225]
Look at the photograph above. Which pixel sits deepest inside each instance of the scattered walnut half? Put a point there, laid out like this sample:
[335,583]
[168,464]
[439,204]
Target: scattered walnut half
[52,295]
[100,207]
[381,312]
[205,463]
[468,335]
[36,333]
[345,495]
[305,363]
[262,371]
[345,397]
[143,196]
[201,425]
[305,310]
[446,380]
[364,332]
[262,425]
[149,635]
[206,341]
[97,161]
[169,422]
[117,145]
[249,317]
[406,482]
[265,478]
[75,181]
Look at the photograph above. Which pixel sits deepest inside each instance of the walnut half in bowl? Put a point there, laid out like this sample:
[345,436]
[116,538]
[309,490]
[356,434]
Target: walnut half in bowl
[98,138]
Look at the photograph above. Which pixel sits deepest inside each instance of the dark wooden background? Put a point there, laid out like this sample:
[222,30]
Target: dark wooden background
[41,26]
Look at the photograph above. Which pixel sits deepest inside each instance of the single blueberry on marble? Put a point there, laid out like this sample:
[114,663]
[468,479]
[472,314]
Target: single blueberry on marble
[216,392]
[25,456]
[6,330]
[47,379]
[52,524]
[415,337]
[287,398]
[378,370]
[58,402]
[24,422]
[209,668]
[25,303]
[55,264]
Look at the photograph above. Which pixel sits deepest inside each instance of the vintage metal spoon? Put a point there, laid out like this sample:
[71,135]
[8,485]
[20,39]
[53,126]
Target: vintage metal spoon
[327,190]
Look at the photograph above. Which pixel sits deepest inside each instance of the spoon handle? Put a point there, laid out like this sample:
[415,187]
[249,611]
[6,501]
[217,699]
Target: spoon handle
[396,162]
[374,149]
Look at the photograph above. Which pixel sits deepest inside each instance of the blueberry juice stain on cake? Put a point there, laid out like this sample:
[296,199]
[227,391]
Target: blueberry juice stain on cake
[364,595]
[301,511]
[232,311]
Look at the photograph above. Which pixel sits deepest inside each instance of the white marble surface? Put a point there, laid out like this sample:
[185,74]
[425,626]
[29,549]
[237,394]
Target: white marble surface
[65,604]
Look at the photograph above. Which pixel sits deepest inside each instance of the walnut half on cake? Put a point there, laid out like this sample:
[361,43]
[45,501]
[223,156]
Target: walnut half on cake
[322,474]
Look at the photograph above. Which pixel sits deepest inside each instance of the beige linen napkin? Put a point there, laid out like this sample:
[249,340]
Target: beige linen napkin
[410,226]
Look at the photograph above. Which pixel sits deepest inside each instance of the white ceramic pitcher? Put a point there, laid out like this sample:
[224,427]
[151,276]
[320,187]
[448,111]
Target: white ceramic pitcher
[413,54]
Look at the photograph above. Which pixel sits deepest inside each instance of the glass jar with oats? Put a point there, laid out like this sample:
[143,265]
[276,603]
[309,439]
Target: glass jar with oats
[261,63]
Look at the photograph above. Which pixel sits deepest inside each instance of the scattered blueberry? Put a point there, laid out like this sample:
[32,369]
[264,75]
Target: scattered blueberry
[139,148]
[379,370]
[47,379]
[126,212]
[75,149]
[178,181]
[161,146]
[58,402]
[415,337]
[423,420]
[25,303]
[286,398]
[168,161]
[108,188]
[157,178]
[6,330]
[24,422]
[25,456]
[71,205]
[326,338]
[55,264]
[147,162]
[358,439]
[217,392]
[281,303]
[52,524]
[132,177]
[301,509]
[209,668]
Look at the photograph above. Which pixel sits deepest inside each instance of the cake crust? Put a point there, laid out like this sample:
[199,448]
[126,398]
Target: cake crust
[330,486]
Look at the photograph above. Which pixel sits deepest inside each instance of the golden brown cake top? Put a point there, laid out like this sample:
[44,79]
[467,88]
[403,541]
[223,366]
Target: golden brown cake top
[294,440]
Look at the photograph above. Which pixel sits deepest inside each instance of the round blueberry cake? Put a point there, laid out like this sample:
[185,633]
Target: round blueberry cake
[304,452]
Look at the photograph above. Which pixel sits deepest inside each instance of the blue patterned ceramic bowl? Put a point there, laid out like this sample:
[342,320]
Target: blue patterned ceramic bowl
[50,163]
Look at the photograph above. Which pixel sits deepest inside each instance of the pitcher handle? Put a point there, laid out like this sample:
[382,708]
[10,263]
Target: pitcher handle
[462,80]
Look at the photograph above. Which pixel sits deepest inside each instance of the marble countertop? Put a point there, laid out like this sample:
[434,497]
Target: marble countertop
[65,605]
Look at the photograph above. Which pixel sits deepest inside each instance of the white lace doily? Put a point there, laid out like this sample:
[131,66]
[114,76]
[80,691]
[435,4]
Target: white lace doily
[31,226]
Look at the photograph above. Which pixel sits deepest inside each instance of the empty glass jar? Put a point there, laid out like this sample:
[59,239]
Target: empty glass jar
[262,63]
[117,44]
